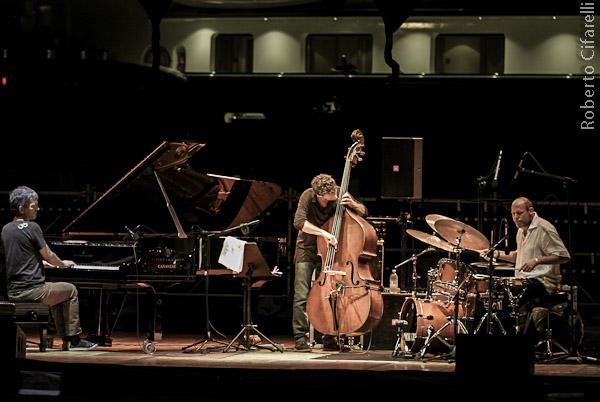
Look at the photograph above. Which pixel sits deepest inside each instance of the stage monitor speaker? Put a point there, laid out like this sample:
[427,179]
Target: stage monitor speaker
[494,356]
[401,167]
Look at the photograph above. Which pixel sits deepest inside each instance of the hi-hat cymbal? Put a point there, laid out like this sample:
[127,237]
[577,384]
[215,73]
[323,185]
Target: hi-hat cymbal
[431,219]
[432,240]
[470,238]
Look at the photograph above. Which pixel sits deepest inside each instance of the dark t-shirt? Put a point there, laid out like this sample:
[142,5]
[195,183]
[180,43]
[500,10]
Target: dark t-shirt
[22,242]
[309,209]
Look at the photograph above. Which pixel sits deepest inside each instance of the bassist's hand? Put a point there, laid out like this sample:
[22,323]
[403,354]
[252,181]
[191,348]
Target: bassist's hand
[348,201]
[329,238]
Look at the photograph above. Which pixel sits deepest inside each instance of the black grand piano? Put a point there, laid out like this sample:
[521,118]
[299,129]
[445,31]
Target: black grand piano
[150,227]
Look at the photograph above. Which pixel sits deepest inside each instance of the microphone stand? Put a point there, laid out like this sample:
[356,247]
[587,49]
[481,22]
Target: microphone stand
[566,182]
[207,235]
[208,326]
[482,182]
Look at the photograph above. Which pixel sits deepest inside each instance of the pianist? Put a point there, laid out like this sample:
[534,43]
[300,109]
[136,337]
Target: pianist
[26,251]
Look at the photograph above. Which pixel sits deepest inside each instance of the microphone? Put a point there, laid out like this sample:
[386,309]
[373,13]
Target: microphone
[519,168]
[506,250]
[495,180]
[134,236]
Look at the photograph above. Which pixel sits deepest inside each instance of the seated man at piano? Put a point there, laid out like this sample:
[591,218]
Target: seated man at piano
[27,254]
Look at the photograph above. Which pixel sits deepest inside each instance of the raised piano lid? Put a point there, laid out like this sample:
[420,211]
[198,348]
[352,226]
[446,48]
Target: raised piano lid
[191,200]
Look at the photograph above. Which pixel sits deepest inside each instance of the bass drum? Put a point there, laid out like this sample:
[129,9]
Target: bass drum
[420,314]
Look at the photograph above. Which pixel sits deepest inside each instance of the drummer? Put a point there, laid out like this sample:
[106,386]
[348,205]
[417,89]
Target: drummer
[540,251]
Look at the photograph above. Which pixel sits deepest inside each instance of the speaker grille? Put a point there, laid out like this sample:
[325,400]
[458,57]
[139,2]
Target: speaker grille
[401,168]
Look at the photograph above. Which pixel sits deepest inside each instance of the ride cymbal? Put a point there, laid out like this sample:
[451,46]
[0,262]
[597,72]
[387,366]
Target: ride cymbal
[470,238]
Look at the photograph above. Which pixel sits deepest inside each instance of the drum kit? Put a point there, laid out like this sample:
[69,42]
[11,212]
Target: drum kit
[460,298]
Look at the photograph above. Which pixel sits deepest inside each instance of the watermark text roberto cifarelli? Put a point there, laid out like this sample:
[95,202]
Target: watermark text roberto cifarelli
[587,53]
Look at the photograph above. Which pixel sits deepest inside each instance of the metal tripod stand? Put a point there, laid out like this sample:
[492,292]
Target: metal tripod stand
[490,313]
[244,338]
[199,346]
[459,327]
[253,267]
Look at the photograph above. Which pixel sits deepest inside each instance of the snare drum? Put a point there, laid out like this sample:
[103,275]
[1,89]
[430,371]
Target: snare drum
[480,284]
[514,282]
[515,288]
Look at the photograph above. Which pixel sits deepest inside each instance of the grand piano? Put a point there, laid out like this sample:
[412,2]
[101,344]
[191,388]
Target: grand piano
[151,227]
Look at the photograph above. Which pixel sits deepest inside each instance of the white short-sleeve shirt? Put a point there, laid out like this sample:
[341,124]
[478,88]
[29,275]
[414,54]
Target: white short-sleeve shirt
[542,239]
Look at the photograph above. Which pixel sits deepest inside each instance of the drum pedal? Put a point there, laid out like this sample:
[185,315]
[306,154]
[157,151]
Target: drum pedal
[401,325]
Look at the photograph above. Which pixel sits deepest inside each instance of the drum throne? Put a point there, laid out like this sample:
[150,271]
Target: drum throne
[557,327]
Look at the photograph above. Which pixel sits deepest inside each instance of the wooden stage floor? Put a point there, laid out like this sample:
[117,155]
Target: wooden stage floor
[128,373]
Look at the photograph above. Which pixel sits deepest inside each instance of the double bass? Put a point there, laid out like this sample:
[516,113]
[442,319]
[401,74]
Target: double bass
[346,298]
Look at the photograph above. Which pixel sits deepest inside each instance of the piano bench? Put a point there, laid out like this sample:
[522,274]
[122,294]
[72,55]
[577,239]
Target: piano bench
[34,314]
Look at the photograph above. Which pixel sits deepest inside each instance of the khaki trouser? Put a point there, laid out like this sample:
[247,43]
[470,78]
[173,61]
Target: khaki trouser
[63,301]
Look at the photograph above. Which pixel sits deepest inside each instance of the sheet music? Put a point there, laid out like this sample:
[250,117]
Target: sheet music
[232,254]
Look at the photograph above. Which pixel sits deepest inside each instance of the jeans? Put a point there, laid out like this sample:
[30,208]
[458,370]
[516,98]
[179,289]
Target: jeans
[63,301]
[302,283]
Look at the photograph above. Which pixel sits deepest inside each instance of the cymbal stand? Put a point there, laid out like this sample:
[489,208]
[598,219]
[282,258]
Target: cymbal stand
[513,302]
[491,307]
[414,268]
[458,327]
[457,324]
[453,319]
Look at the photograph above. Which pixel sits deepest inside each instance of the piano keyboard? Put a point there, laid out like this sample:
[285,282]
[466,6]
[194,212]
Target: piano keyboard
[95,267]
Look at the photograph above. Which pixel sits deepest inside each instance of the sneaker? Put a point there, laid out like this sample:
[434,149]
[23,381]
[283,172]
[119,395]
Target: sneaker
[82,344]
[302,344]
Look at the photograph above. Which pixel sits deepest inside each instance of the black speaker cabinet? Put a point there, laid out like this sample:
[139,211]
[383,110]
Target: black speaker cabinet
[384,335]
[494,356]
[401,167]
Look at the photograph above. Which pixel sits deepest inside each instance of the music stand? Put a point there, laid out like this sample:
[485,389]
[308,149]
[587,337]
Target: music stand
[254,268]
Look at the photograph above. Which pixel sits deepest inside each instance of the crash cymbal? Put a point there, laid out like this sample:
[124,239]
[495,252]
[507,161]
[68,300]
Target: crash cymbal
[432,240]
[431,219]
[498,266]
[470,238]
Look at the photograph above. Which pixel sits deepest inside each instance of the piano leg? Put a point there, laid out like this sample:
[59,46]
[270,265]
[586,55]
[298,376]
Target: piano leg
[153,335]
[101,337]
